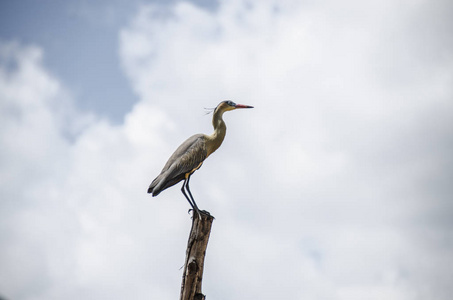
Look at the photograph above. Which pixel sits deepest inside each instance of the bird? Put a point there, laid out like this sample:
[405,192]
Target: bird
[191,154]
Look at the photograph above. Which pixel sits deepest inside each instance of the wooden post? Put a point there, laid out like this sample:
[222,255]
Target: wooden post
[195,253]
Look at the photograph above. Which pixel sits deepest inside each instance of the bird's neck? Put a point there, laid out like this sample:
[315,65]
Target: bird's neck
[216,138]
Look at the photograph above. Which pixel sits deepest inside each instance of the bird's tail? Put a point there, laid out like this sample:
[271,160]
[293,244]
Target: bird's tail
[152,186]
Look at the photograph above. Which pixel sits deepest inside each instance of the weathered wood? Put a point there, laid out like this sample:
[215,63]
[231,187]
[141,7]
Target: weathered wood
[195,254]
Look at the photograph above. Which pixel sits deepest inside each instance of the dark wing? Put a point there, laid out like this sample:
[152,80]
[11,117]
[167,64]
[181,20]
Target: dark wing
[186,159]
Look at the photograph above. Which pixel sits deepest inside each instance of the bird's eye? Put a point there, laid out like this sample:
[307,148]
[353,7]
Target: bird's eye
[231,103]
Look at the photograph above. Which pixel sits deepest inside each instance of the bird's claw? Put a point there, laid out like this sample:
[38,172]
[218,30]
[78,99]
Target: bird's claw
[199,212]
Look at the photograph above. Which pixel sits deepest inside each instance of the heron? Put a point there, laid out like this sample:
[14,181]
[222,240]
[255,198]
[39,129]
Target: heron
[191,154]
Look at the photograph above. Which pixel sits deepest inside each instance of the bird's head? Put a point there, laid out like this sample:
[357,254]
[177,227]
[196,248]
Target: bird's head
[230,105]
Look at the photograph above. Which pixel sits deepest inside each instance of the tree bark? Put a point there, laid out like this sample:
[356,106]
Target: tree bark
[195,254]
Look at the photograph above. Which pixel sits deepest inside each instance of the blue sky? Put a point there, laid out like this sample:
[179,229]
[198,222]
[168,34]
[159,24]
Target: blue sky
[337,185]
[80,40]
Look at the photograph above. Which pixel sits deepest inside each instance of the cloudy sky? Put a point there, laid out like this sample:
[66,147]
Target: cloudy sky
[337,185]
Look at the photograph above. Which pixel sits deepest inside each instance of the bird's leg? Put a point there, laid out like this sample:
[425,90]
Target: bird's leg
[185,195]
[190,194]
[193,201]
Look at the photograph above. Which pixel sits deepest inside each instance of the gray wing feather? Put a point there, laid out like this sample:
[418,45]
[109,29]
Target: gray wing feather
[187,158]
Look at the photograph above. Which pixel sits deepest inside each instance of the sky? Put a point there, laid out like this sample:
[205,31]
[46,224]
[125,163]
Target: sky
[337,185]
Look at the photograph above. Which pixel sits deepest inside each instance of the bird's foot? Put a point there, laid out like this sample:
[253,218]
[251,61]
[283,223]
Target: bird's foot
[198,212]
[195,211]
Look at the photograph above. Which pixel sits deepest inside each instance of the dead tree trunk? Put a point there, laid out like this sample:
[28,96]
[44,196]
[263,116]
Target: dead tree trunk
[195,253]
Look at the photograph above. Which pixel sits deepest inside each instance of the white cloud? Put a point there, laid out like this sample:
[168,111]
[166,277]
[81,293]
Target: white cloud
[66,217]
[334,187]
[336,148]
